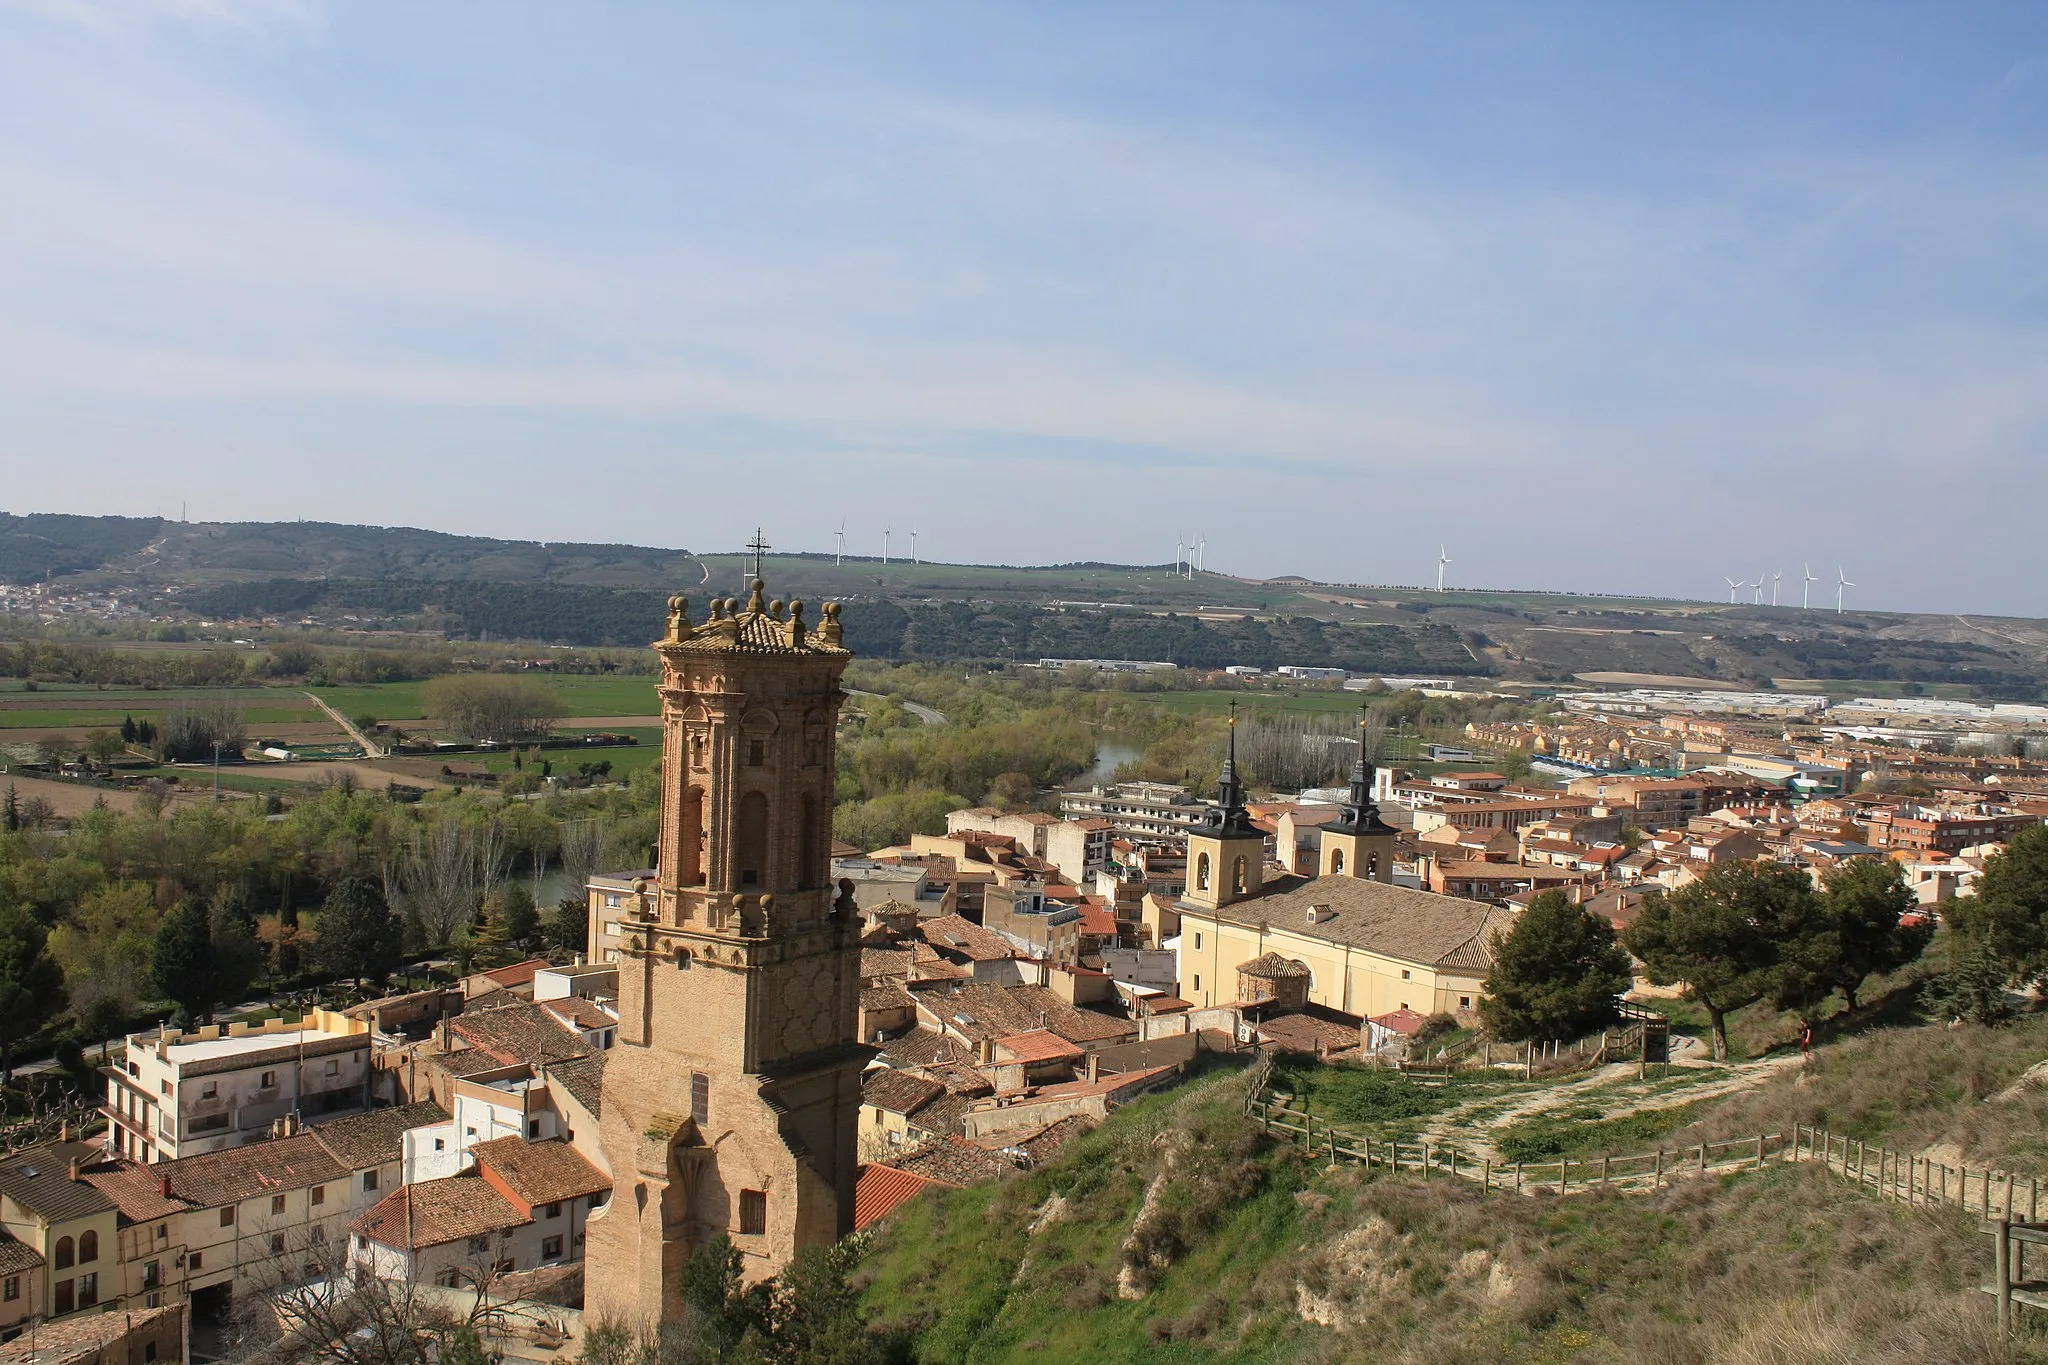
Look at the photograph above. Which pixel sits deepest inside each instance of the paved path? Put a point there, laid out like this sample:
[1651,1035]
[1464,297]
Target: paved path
[369,750]
[918,709]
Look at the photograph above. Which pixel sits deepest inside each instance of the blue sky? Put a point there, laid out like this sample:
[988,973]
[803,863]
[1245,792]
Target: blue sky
[1617,297]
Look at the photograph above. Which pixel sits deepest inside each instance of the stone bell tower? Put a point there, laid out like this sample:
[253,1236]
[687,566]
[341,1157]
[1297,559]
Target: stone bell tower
[730,1101]
[1360,845]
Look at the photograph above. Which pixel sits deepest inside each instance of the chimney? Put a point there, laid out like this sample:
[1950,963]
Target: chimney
[77,1168]
[1094,1066]
[984,1052]
[163,1186]
[64,1131]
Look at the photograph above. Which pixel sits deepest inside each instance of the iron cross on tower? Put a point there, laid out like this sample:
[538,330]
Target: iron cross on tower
[759,547]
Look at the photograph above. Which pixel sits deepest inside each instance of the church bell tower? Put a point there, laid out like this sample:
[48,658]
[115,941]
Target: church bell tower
[1361,845]
[1226,851]
[731,1099]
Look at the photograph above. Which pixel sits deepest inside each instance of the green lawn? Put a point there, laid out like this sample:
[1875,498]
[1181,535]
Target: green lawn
[623,758]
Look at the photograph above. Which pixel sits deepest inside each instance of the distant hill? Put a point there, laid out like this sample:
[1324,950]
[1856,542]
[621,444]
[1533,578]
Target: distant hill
[586,594]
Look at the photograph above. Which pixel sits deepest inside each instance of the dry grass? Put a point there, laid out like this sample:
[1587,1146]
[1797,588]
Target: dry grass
[1909,1088]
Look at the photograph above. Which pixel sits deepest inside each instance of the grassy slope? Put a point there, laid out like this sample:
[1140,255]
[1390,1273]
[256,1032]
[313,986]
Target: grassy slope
[581,696]
[1785,1267]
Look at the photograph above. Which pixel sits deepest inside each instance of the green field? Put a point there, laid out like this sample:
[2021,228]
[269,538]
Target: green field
[580,696]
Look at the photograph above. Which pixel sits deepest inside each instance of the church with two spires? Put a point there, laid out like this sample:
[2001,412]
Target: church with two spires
[1369,947]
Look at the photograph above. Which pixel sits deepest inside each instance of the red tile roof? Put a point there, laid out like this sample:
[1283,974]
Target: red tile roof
[1039,1045]
[518,974]
[881,1190]
[539,1172]
[435,1212]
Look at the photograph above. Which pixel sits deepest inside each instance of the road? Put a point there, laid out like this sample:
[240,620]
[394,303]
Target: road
[918,709]
[369,750]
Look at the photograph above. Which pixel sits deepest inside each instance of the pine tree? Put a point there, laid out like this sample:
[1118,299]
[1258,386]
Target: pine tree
[1556,976]
[359,938]
[10,813]
[183,965]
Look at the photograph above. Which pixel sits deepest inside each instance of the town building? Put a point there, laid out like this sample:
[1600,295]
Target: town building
[177,1094]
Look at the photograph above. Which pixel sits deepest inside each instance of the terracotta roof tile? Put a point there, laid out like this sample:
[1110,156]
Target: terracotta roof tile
[517,1033]
[540,1172]
[1039,1045]
[215,1178]
[435,1212]
[954,1161]
[583,1077]
[899,1092]
[365,1140]
[881,1190]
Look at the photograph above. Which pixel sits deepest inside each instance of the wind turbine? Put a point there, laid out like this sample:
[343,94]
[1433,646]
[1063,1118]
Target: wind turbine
[1841,588]
[913,544]
[1443,558]
[1191,554]
[1758,598]
[1201,552]
[885,544]
[839,544]
[1733,588]
[1776,576]
[1178,548]
[1806,593]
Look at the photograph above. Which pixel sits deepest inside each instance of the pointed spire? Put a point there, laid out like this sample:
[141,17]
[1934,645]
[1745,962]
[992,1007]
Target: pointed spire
[1229,816]
[1361,812]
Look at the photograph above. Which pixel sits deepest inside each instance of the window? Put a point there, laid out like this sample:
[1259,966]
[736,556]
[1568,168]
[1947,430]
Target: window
[277,1244]
[152,1275]
[700,1097]
[757,752]
[597,1201]
[196,1260]
[149,1347]
[479,1245]
[550,1247]
[10,1289]
[1202,873]
[551,1210]
[440,1145]
[135,1068]
[163,1232]
[64,1300]
[269,1081]
[334,1066]
[88,1290]
[227,1216]
[1198,943]
[319,1233]
[210,1089]
[67,1253]
[1464,1002]
[166,1086]
[753,1211]
[450,1278]
[532,1129]
[1198,981]
[1237,883]
[1406,974]
[88,1247]
[369,1181]
[276,1204]
[1337,862]
[319,1194]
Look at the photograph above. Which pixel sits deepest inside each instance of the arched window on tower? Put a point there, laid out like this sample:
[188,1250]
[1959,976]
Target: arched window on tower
[1237,886]
[1372,867]
[1336,862]
[750,840]
[690,850]
[1202,872]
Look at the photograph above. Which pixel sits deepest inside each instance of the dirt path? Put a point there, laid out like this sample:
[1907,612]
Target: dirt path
[348,727]
[1614,1088]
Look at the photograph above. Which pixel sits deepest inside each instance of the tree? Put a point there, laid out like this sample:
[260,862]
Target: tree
[1972,985]
[10,811]
[1556,975]
[2009,912]
[31,984]
[104,946]
[238,950]
[1717,936]
[183,960]
[724,1308]
[516,918]
[1012,791]
[358,936]
[1867,901]
[487,706]
[568,925]
[438,873]
[103,746]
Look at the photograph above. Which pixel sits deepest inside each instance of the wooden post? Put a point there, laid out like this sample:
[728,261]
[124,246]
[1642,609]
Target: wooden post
[1368,1154]
[1486,1172]
[2007,1215]
[2001,1264]
[1759,1151]
[1703,1158]
[1518,1177]
[1657,1172]
[1454,1161]
[1605,1167]
[1425,1165]
[2034,1199]
[1564,1174]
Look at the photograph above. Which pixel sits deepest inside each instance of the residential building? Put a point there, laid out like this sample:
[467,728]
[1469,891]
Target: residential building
[176,1094]
[65,1224]
[1136,808]
[613,898]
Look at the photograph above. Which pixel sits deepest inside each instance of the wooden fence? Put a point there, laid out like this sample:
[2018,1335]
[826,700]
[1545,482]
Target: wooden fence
[1566,1175]
[1918,1180]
